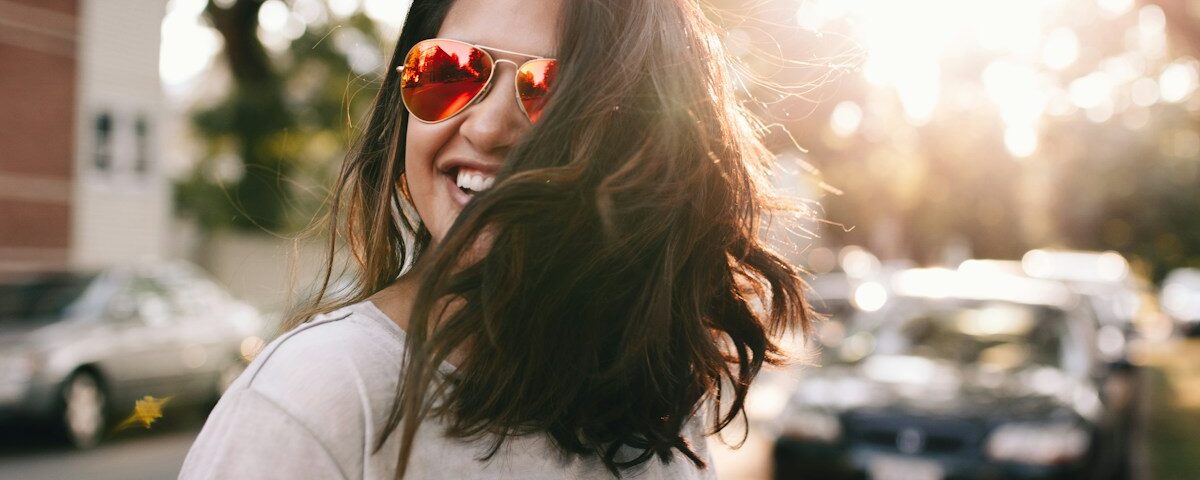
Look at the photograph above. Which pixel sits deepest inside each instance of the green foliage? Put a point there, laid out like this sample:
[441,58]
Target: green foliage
[274,137]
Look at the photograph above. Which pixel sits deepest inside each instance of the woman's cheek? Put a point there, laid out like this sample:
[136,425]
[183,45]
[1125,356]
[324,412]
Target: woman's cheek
[423,141]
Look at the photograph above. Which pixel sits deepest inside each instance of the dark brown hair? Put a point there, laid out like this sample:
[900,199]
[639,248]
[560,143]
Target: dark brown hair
[625,279]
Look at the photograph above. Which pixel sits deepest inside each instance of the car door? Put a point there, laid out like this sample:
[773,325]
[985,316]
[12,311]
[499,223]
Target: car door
[206,343]
[143,357]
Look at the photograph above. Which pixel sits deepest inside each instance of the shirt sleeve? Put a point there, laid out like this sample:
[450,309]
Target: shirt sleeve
[250,436]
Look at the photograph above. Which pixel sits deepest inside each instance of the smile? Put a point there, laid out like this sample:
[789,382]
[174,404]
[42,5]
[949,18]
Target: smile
[473,181]
[462,183]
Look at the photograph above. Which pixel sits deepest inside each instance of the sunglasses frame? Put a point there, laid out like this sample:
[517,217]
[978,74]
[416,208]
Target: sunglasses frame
[487,85]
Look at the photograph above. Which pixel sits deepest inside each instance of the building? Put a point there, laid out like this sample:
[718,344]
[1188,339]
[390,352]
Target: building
[81,177]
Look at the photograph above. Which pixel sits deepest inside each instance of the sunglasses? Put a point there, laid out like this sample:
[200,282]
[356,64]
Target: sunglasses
[442,77]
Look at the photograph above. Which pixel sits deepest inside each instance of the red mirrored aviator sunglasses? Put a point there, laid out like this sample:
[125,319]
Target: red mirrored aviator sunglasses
[442,77]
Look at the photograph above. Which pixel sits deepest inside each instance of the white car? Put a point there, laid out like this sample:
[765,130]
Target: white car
[78,349]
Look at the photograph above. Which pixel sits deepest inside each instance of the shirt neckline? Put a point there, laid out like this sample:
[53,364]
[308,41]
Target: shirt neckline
[368,308]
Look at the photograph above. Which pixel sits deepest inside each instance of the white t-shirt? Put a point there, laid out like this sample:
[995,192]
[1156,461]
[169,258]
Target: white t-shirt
[313,403]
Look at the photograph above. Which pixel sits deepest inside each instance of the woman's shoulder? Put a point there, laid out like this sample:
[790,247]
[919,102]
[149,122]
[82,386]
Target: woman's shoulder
[345,348]
[324,386]
[336,372]
[358,324]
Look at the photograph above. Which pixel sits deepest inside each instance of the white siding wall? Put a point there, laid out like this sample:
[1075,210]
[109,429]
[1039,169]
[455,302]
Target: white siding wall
[120,214]
[263,270]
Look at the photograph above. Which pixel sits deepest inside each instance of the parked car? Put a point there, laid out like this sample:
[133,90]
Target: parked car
[1124,302]
[78,348]
[958,375]
[1122,305]
[831,298]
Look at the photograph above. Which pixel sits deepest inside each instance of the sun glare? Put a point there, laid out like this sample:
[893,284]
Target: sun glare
[907,44]
[189,43]
[1033,58]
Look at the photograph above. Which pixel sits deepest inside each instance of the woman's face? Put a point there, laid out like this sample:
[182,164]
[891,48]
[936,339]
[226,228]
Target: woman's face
[475,141]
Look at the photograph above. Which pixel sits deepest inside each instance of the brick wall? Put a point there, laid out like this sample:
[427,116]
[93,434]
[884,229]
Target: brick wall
[38,71]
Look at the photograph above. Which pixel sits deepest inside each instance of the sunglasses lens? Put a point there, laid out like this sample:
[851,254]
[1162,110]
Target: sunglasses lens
[441,77]
[534,80]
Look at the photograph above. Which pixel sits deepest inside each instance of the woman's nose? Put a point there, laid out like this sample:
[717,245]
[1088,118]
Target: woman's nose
[495,121]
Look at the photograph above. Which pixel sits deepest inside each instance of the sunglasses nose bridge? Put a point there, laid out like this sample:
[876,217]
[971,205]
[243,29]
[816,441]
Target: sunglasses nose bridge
[487,88]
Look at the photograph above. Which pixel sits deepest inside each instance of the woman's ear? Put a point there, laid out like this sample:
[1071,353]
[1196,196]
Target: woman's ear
[404,211]
[402,184]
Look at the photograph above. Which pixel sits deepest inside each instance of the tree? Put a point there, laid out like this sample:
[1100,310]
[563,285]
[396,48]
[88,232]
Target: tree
[285,120]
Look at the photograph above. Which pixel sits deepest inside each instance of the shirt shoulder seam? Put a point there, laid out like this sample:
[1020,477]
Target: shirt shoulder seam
[287,337]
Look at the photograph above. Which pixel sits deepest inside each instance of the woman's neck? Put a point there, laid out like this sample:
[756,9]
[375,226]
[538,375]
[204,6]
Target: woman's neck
[396,301]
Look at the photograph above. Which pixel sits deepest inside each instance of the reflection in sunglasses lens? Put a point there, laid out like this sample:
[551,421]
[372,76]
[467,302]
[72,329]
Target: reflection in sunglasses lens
[533,85]
[440,78]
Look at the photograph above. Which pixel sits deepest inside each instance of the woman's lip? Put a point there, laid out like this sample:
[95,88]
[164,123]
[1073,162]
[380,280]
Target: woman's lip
[452,165]
[460,197]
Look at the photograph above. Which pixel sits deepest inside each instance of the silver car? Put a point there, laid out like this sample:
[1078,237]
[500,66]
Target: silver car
[78,349]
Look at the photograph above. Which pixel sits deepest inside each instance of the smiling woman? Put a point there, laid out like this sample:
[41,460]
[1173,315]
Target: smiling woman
[555,211]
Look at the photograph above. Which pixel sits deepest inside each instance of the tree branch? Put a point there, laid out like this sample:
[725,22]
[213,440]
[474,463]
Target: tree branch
[238,26]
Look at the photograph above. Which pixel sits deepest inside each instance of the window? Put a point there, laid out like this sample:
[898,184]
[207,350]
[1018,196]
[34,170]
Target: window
[141,300]
[41,298]
[141,162]
[104,133]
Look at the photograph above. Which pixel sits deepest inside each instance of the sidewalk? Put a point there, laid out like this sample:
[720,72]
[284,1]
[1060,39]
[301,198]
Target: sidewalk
[1172,449]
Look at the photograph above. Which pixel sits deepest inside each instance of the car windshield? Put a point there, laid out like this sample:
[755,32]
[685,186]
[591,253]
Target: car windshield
[40,298]
[994,334]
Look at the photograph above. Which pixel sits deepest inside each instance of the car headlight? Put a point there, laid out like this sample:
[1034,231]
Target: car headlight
[1037,443]
[810,424]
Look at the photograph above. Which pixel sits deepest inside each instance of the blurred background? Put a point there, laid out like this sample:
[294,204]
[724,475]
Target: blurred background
[1007,242]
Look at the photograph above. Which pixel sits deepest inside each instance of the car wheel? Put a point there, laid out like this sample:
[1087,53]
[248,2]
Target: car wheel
[83,410]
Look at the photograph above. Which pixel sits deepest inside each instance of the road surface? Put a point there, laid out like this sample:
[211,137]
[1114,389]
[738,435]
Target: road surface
[128,455]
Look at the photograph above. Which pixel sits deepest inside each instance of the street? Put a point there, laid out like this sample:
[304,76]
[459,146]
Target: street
[133,454]
[1171,401]
[1164,443]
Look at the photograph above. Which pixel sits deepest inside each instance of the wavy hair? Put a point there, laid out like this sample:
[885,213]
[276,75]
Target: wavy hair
[625,280]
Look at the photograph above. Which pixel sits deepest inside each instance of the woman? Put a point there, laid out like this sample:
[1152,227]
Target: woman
[551,283]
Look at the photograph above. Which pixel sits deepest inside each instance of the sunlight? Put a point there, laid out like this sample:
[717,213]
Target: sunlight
[1091,90]
[1115,7]
[846,118]
[1178,81]
[387,12]
[1061,49]
[188,45]
[1031,61]
[273,15]
[906,42]
[1020,141]
[1018,91]
[344,8]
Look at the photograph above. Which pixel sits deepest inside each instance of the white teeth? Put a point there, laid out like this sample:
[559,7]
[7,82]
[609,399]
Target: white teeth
[474,180]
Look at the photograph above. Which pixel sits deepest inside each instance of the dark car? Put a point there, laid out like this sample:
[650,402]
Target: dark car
[1102,279]
[956,376]
[77,349]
